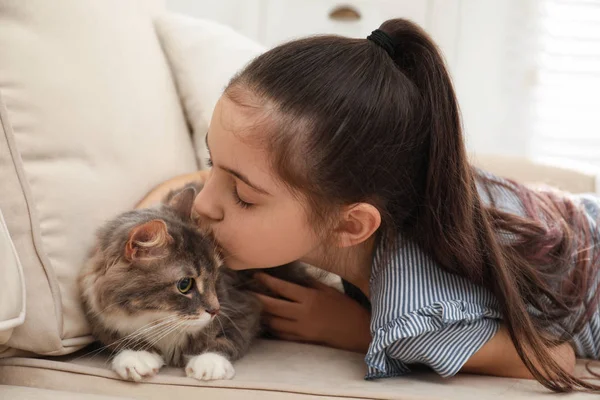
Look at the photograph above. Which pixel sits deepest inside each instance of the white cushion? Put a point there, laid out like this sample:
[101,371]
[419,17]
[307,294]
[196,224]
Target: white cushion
[204,56]
[91,122]
[12,295]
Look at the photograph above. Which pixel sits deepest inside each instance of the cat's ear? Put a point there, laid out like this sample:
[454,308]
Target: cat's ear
[183,201]
[148,241]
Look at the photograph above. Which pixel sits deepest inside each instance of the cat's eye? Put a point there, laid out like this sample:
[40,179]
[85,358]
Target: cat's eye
[185,285]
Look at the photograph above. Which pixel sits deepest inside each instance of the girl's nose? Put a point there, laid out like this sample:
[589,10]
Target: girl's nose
[207,208]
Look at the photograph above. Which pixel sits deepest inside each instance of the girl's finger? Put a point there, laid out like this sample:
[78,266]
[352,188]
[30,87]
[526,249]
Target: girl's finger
[289,337]
[278,307]
[280,325]
[283,288]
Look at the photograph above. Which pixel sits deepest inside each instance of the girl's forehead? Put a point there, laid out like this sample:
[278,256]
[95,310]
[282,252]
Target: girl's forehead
[237,141]
[249,121]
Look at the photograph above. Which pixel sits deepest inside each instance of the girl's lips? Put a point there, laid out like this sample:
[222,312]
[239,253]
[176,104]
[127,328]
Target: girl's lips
[221,250]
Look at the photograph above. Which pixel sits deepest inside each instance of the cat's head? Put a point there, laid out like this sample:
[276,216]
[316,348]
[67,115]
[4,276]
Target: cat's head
[153,266]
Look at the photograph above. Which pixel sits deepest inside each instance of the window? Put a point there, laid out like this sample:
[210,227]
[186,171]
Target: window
[565,100]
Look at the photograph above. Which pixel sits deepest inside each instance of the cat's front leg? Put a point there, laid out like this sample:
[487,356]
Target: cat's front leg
[137,365]
[209,366]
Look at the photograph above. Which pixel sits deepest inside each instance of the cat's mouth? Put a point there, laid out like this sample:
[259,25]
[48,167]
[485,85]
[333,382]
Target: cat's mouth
[197,322]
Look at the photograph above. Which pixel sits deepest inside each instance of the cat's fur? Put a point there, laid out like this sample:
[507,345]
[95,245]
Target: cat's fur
[133,305]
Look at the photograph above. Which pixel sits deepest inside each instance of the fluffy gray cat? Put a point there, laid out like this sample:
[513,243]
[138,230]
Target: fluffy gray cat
[155,292]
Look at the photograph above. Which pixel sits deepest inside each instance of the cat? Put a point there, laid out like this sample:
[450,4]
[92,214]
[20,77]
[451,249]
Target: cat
[156,292]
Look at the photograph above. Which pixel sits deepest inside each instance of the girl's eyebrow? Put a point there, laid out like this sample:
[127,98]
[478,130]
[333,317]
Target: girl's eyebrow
[238,174]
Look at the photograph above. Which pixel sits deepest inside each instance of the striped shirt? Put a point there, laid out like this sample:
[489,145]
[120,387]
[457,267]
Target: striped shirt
[422,314]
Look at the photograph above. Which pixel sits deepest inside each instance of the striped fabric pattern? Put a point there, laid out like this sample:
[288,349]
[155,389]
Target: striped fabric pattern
[422,314]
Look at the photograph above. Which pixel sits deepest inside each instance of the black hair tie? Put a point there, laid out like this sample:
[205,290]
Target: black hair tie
[383,40]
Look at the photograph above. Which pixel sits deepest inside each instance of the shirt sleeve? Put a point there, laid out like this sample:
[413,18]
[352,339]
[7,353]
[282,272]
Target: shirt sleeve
[442,336]
[422,314]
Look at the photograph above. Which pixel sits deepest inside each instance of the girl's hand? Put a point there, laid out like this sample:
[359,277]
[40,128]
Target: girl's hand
[318,314]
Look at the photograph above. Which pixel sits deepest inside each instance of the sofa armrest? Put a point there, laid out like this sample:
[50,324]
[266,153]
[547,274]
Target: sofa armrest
[575,179]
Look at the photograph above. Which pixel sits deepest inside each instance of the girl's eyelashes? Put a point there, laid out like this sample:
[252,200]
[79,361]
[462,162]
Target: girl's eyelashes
[238,200]
[236,195]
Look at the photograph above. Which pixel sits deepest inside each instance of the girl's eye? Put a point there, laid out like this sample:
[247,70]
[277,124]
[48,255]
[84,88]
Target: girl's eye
[236,195]
[239,201]
[185,285]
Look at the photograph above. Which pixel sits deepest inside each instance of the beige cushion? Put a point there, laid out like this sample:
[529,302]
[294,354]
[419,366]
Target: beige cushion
[272,370]
[12,295]
[204,56]
[91,121]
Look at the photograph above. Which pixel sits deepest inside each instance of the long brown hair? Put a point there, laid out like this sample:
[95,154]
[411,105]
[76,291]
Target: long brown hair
[353,124]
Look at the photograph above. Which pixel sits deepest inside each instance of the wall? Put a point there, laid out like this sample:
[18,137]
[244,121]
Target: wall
[481,40]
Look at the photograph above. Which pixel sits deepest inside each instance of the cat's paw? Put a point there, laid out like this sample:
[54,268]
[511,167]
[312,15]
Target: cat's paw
[137,365]
[209,366]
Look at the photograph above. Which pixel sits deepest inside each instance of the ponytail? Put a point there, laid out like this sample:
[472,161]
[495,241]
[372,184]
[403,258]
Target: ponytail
[455,227]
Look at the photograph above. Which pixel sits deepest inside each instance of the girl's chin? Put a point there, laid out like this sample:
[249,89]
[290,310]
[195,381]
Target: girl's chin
[236,265]
[230,262]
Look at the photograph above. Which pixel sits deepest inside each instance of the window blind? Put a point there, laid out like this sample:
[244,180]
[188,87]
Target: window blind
[565,98]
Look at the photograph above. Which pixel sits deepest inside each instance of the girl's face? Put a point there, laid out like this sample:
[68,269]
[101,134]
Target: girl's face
[255,219]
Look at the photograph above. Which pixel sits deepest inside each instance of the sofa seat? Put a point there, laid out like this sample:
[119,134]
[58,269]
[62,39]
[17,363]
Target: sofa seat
[272,370]
[32,393]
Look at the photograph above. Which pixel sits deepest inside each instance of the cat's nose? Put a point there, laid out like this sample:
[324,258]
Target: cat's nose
[213,312]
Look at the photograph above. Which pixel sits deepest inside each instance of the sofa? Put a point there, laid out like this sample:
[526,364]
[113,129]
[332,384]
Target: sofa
[96,109]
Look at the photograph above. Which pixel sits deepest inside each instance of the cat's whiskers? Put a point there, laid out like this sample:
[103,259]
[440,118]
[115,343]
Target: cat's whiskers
[150,336]
[149,339]
[139,335]
[175,325]
[145,330]
[177,343]
[91,353]
[224,313]
[210,329]
[222,328]
[97,351]
[177,336]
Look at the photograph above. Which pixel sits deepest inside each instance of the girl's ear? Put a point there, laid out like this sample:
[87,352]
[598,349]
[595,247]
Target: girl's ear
[358,222]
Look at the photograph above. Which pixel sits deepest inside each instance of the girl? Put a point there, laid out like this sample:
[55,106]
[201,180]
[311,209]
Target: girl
[348,154]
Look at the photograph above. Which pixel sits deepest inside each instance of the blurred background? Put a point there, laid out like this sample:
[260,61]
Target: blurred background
[526,72]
